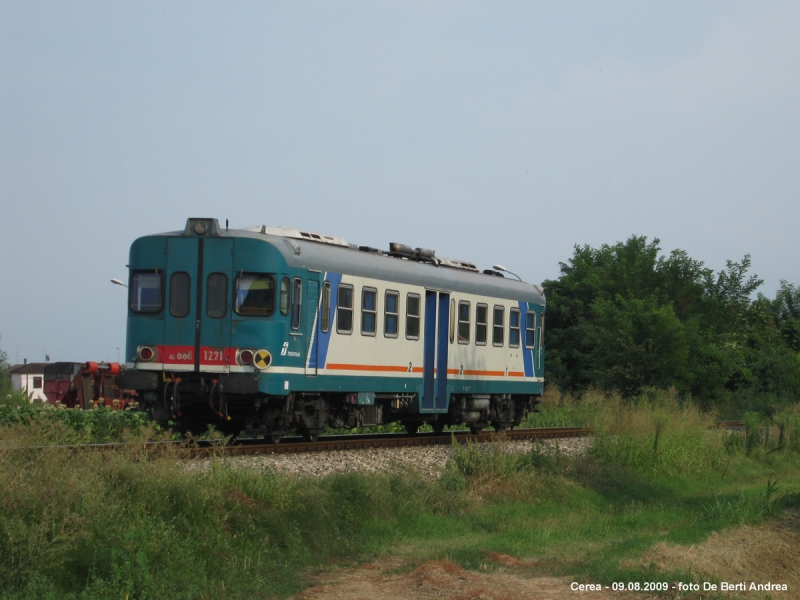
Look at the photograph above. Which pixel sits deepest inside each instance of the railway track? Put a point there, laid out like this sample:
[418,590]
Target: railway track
[296,445]
[386,440]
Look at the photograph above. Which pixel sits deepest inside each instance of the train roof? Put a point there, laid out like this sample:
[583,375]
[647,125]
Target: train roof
[323,253]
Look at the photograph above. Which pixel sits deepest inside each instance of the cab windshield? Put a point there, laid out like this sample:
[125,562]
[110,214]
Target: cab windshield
[146,292]
[255,295]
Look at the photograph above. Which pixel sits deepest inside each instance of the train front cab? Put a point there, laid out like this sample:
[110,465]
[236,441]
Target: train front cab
[199,311]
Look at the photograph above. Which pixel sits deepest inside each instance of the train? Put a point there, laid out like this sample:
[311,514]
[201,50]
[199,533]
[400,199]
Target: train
[86,385]
[262,331]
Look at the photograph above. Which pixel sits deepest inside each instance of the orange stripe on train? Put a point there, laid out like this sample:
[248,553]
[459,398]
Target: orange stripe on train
[401,369]
[344,367]
[484,373]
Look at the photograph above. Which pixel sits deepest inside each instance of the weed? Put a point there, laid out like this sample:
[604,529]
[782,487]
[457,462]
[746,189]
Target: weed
[740,508]
[753,434]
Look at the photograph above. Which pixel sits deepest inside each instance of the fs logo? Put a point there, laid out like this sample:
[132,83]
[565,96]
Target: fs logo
[284,348]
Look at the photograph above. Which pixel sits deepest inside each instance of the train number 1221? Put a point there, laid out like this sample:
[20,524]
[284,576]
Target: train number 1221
[212,355]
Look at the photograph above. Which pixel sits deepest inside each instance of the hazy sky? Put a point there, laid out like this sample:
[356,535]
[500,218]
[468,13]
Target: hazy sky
[492,132]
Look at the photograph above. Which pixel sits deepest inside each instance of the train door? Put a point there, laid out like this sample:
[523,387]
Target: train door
[214,294]
[312,302]
[180,318]
[434,367]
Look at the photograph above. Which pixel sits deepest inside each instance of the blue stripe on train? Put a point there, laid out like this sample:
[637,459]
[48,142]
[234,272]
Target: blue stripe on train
[319,348]
[527,353]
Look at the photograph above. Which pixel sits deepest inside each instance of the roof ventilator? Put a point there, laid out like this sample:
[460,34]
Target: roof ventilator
[419,254]
[288,232]
[457,264]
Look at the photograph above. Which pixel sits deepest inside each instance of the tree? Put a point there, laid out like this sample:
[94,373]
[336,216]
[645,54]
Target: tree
[786,312]
[637,343]
[625,317]
[609,309]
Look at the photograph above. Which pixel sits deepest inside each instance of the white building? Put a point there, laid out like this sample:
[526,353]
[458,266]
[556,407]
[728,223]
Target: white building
[29,377]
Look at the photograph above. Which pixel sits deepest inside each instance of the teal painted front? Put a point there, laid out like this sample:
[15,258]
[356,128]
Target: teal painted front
[217,290]
[147,254]
[179,328]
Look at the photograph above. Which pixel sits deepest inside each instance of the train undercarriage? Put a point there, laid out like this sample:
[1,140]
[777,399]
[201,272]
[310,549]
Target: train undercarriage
[192,403]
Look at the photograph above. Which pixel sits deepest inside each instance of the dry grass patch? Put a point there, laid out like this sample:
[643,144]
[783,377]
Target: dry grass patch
[769,552]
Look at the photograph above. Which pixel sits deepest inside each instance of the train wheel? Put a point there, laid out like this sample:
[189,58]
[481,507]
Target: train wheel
[412,427]
[274,437]
[475,429]
[500,426]
[311,435]
[438,427]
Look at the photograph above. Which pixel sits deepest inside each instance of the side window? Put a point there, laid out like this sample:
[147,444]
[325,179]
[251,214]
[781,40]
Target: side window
[179,294]
[285,285]
[481,323]
[513,328]
[217,295]
[463,322]
[498,324]
[412,316]
[325,317]
[254,295]
[297,302]
[147,294]
[530,329]
[391,316]
[369,310]
[344,309]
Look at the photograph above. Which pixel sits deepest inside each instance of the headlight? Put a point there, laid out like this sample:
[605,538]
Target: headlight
[244,357]
[146,353]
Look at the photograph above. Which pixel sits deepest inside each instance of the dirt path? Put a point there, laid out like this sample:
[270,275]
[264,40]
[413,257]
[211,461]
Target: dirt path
[770,552]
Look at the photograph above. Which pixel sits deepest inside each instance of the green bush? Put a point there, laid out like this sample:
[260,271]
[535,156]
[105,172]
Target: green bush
[96,425]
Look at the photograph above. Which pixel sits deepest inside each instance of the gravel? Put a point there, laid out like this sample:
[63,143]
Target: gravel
[427,460]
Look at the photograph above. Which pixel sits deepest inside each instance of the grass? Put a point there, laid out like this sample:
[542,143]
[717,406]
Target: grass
[133,525]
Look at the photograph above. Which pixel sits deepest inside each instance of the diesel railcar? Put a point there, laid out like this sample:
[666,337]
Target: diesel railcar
[270,329]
